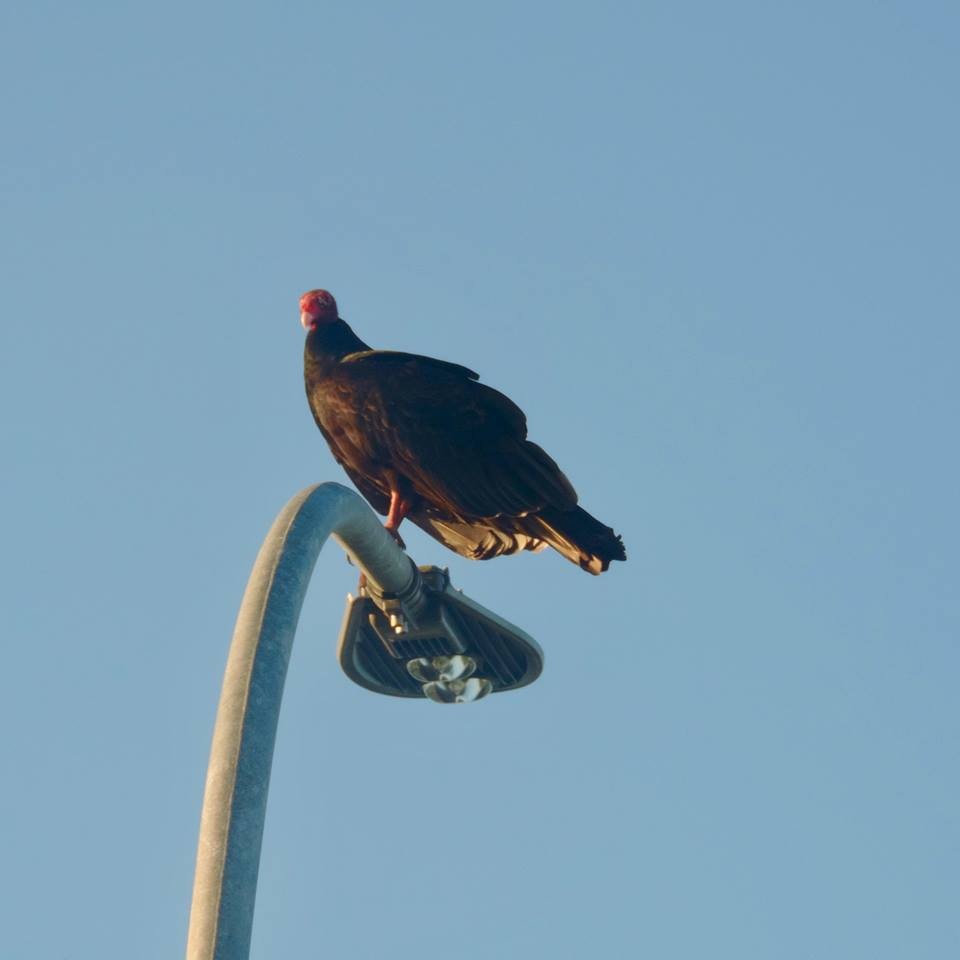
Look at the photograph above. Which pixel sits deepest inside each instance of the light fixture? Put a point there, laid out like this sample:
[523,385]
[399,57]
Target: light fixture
[433,642]
[428,669]
[457,691]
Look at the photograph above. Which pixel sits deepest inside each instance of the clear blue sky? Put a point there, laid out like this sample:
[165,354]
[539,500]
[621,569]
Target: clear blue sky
[711,249]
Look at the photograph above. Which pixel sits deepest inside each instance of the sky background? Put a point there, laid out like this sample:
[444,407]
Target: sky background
[711,249]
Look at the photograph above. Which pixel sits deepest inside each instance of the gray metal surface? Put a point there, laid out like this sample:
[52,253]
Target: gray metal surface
[235,798]
[378,640]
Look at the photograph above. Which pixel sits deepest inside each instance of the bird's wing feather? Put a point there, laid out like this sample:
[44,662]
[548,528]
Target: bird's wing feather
[385,358]
[461,444]
[480,540]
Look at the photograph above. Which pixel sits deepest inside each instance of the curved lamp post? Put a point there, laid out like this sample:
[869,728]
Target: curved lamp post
[235,798]
[408,634]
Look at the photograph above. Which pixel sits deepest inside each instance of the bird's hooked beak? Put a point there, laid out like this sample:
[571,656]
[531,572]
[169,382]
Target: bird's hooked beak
[307,320]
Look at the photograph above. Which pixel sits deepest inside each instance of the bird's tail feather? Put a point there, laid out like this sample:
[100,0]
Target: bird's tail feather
[578,536]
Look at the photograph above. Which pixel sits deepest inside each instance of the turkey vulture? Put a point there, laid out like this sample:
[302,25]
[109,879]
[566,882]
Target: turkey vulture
[421,438]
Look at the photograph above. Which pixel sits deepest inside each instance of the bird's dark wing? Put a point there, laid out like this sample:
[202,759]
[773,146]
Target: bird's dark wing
[461,445]
[481,539]
[387,358]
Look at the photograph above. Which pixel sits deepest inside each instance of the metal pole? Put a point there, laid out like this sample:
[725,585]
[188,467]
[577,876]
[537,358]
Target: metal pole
[235,798]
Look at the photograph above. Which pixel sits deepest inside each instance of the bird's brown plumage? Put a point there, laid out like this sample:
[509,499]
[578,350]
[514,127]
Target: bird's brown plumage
[453,449]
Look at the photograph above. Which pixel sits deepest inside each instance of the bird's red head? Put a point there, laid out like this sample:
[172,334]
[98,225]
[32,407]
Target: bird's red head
[316,308]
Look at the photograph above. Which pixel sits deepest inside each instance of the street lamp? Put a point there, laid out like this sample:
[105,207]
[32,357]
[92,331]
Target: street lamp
[408,633]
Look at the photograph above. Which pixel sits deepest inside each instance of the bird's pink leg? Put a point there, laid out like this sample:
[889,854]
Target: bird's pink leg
[399,508]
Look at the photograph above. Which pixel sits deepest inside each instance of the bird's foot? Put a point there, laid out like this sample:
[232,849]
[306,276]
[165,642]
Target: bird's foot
[396,536]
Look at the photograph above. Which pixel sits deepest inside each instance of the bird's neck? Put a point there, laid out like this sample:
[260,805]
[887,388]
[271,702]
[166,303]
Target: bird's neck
[329,343]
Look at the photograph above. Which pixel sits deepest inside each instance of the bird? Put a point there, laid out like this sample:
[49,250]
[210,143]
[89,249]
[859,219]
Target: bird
[424,440]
